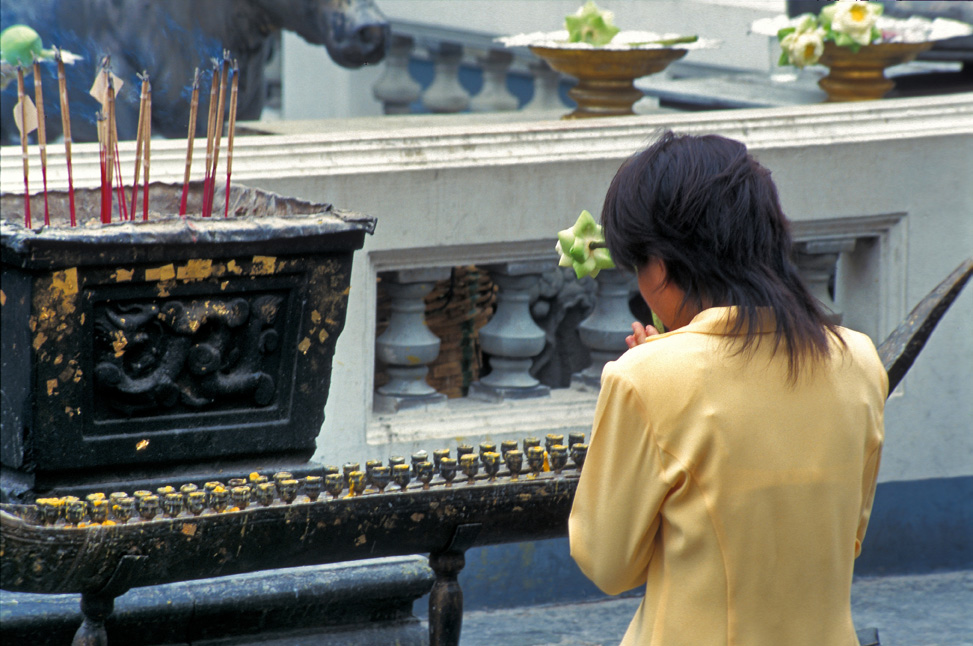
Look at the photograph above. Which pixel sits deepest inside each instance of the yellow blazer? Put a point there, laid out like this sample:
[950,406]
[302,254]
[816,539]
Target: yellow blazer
[739,499]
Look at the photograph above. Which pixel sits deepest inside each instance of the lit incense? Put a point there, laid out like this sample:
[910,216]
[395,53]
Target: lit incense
[220,110]
[41,134]
[210,127]
[112,138]
[138,139]
[102,157]
[147,136]
[229,140]
[66,126]
[193,109]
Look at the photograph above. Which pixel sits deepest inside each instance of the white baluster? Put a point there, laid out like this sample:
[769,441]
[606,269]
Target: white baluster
[604,331]
[817,260]
[494,97]
[407,346]
[445,94]
[395,88]
[512,339]
[546,85]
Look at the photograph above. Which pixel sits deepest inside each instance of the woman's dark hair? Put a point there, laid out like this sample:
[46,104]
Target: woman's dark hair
[711,213]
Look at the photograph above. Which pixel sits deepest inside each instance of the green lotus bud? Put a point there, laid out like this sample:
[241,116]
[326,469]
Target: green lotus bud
[582,247]
[19,45]
[591,25]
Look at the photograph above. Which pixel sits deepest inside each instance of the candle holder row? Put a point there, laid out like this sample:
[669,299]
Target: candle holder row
[282,488]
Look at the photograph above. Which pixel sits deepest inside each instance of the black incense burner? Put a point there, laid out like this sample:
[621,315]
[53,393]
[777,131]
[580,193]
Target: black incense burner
[133,347]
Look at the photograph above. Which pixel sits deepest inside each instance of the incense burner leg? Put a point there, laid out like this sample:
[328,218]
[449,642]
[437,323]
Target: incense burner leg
[446,597]
[96,608]
[98,605]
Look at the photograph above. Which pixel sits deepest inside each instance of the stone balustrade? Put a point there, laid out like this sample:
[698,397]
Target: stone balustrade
[452,54]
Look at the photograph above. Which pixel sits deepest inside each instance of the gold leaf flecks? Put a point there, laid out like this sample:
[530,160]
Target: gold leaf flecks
[142,445]
[65,281]
[165,272]
[304,345]
[51,386]
[195,269]
[264,265]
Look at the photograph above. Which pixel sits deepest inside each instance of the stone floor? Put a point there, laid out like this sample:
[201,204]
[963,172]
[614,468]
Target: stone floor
[912,610]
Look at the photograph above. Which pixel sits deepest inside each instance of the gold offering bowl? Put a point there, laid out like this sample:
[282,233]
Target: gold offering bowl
[860,76]
[606,77]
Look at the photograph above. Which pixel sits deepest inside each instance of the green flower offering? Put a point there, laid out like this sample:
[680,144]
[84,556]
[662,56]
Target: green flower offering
[591,25]
[582,247]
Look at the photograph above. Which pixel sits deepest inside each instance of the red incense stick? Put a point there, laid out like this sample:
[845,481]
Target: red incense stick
[23,144]
[193,109]
[147,136]
[66,126]
[210,126]
[229,140]
[224,69]
[102,158]
[110,137]
[138,140]
[41,134]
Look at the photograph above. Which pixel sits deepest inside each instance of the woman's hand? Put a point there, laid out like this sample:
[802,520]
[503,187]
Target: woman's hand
[640,334]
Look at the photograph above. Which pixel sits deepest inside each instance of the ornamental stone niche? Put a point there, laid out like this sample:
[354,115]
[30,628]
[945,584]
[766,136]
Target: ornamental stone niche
[136,346]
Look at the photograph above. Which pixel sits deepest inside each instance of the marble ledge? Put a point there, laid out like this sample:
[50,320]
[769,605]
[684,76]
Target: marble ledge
[567,410]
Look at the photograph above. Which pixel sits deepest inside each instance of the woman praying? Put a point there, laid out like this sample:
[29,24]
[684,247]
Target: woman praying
[733,459]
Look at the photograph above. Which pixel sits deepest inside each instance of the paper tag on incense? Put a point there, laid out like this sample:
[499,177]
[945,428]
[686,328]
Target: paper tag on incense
[25,107]
[99,89]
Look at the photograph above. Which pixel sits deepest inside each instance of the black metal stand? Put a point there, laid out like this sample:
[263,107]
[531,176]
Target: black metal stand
[446,597]
[97,606]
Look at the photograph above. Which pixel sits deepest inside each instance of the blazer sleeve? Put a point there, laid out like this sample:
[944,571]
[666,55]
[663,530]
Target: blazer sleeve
[878,394]
[615,516]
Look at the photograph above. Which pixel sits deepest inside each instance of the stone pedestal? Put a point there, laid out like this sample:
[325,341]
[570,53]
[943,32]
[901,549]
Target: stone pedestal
[546,84]
[396,89]
[407,346]
[494,97]
[604,331]
[445,94]
[512,339]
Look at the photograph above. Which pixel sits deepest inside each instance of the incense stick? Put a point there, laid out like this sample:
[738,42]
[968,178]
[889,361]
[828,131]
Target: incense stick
[23,145]
[66,126]
[193,109]
[229,140]
[219,133]
[146,151]
[102,157]
[210,126]
[110,137]
[41,134]
[138,139]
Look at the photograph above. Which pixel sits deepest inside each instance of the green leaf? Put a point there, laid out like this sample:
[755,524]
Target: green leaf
[784,59]
[844,40]
[667,42]
[786,31]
